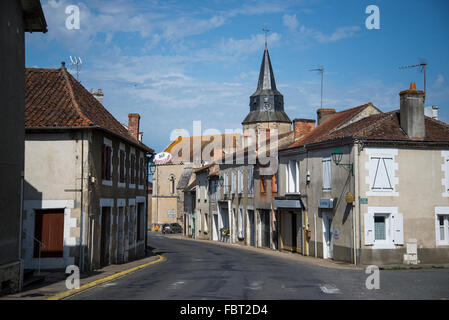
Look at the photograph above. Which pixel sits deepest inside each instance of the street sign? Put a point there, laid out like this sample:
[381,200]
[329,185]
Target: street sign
[171,213]
[326,203]
[363,200]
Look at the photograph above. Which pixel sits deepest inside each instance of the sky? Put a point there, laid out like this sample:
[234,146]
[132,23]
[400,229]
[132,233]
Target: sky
[176,62]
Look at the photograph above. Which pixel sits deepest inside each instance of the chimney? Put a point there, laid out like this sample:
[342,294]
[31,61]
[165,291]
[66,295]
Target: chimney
[133,125]
[323,115]
[301,127]
[412,112]
[97,95]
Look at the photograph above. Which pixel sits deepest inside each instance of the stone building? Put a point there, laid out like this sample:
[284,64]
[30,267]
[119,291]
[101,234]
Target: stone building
[17,17]
[85,194]
[369,187]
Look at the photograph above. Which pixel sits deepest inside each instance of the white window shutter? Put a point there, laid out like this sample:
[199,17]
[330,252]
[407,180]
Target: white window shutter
[297,176]
[398,228]
[369,228]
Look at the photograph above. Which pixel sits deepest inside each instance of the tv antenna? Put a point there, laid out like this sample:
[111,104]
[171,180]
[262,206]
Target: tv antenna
[422,68]
[76,62]
[320,69]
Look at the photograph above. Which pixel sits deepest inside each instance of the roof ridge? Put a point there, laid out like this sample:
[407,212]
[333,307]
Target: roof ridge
[382,118]
[72,96]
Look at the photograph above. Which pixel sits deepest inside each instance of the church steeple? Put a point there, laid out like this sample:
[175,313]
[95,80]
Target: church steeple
[267,103]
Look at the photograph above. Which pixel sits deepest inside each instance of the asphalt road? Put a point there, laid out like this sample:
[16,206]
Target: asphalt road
[202,270]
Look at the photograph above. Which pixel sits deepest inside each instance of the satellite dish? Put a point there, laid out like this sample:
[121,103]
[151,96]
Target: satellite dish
[162,157]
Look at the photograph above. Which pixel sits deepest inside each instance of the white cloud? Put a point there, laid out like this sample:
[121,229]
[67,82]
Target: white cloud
[339,34]
[290,22]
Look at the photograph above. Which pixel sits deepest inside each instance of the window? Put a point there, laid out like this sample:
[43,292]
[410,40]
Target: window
[133,169]
[106,157]
[326,174]
[141,171]
[250,180]
[383,227]
[382,168]
[122,166]
[442,225]
[172,184]
[233,182]
[292,177]
[240,181]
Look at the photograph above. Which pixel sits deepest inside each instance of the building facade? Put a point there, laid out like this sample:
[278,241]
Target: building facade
[85,199]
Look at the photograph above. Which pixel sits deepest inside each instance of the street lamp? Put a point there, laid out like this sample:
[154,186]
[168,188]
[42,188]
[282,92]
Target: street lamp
[152,167]
[337,156]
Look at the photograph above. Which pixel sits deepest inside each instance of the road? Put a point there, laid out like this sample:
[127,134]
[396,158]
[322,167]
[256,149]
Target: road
[203,270]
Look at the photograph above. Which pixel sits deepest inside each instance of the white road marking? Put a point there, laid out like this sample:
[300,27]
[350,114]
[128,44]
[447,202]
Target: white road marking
[255,285]
[329,288]
[176,285]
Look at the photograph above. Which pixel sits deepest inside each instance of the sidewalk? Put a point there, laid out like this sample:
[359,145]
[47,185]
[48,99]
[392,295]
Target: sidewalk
[54,286]
[325,263]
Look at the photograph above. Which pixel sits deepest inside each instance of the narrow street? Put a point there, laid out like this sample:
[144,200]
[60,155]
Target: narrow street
[203,270]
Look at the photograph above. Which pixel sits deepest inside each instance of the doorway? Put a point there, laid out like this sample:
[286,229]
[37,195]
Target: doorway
[252,229]
[104,237]
[49,230]
[327,236]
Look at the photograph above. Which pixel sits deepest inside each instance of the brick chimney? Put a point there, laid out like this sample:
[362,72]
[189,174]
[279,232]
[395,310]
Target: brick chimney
[302,127]
[323,115]
[97,95]
[412,112]
[133,125]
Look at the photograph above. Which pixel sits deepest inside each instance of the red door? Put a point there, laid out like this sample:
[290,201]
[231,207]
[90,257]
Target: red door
[49,229]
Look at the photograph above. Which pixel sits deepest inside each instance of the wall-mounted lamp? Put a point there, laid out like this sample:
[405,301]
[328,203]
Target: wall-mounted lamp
[152,168]
[337,155]
[221,181]
[308,177]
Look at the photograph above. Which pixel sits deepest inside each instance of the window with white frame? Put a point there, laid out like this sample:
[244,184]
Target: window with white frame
[326,174]
[292,177]
[381,167]
[250,180]
[383,227]
[442,226]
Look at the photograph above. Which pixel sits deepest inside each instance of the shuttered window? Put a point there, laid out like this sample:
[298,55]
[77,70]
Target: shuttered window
[122,166]
[225,183]
[292,174]
[106,157]
[383,227]
[241,224]
[326,174]
[233,181]
[250,180]
[240,181]
[383,173]
[133,168]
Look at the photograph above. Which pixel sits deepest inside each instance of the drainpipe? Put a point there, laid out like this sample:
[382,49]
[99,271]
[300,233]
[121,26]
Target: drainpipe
[359,149]
[81,204]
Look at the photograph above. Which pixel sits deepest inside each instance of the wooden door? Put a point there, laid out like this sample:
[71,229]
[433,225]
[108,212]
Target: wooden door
[49,229]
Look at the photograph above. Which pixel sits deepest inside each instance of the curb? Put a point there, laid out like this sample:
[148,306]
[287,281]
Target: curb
[95,283]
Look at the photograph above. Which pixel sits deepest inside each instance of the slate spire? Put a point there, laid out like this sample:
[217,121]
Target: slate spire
[267,103]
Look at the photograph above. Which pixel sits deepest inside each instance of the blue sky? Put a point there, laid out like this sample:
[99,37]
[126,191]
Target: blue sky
[175,62]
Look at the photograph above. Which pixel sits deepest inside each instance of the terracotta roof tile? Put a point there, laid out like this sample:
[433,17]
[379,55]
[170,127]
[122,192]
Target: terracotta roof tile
[54,98]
